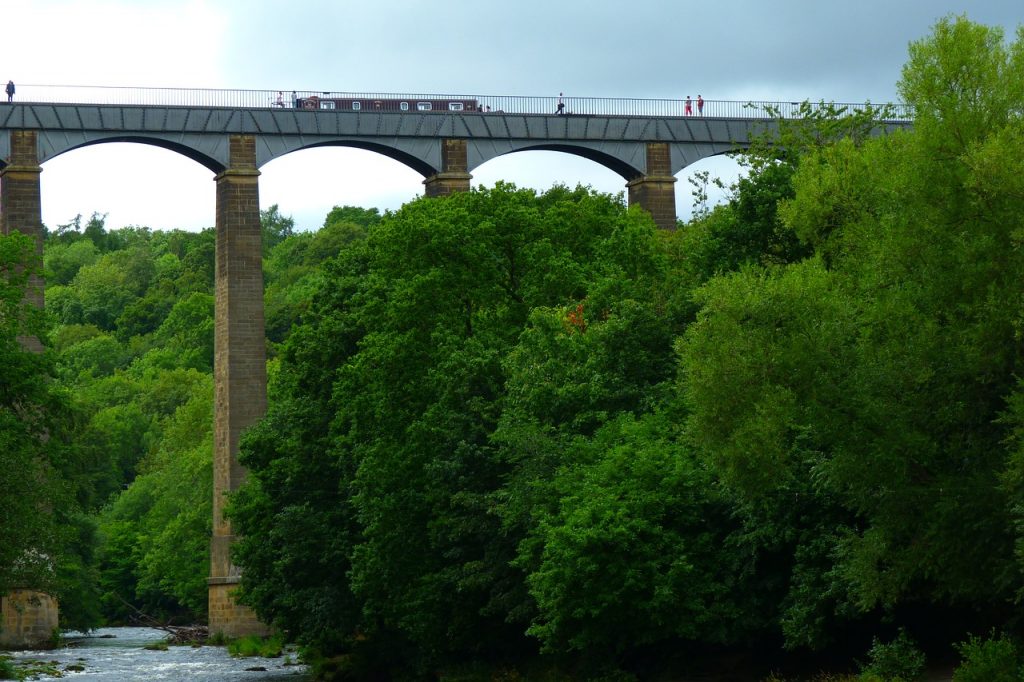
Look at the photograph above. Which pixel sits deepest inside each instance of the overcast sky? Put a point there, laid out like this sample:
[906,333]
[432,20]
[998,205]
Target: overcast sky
[783,50]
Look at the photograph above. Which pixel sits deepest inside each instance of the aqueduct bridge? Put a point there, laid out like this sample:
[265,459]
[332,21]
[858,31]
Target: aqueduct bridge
[234,133]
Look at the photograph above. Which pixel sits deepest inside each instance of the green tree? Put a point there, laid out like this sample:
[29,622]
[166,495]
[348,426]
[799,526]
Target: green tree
[353,215]
[108,286]
[143,315]
[199,262]
[28,485]
[630,550]
[44,540]
[155,549]
[92,358]
[96,232]
[380,426]
[187,332]
[276,228]
[871,378]
[63,261]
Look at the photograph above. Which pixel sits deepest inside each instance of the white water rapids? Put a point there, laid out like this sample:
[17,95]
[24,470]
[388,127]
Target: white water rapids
[118,654]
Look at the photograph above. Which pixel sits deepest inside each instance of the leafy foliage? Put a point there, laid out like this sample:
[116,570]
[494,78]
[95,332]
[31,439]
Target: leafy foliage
[410,326]
[509,427]
[875,375]
[897,661]
[30,408]
[995,659]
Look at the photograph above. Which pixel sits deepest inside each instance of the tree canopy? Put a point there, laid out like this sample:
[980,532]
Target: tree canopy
[520,433]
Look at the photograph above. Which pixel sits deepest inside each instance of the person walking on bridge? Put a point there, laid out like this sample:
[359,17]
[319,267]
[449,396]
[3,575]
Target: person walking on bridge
[688,106]
[700,105]
[10,91]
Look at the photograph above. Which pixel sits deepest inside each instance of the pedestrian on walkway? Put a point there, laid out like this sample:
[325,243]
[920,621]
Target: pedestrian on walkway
[700,105]
[10,91]
[561,105]
[688,106]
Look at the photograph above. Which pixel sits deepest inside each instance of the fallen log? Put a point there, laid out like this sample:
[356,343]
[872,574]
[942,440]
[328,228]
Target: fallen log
[176,634]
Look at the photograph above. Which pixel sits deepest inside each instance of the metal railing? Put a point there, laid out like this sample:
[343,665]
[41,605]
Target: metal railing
[512,104]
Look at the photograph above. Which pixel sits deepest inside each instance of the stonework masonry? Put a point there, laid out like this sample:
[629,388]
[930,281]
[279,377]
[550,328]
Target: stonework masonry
[240,369]
[27,617]
[655,191]
[21,206]
[454,175]
[227,616]
[27,620]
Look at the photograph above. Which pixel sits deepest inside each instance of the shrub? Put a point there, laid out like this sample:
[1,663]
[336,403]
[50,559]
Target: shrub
[217,639]
[898,661]
[7,670]
[252,645]
[988,660]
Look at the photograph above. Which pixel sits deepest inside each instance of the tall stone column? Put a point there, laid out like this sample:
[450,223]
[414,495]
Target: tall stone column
[240,368]
[28,618]
[454,175]
[21,207]
[655,191]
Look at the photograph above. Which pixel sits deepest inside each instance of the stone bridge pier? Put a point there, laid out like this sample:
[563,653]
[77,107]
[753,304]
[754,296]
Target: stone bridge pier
[240,368]
[28,617]
[454,174]
[655,191]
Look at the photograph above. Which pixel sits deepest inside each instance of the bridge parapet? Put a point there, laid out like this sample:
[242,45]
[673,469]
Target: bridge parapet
[198,123]
[510,104]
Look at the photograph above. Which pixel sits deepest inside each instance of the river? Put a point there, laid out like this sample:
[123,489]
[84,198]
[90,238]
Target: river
[119,654]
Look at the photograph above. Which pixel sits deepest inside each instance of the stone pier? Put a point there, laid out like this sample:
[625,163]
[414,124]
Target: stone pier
[240,368]
[21,206]
[28,618]
[454,175]
[655,191]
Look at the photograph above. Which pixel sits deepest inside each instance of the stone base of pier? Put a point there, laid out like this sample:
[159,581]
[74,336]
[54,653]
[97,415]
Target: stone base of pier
[227,616]
[28,620]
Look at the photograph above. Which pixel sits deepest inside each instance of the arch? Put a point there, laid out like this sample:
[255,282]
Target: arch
[627,160]
[136,177]
[545,168]
[416,157]
[613,163]
[307,185]
[181,148]
[684,155]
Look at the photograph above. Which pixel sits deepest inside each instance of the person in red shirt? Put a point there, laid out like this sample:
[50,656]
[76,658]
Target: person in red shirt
[688,106]
[700,105]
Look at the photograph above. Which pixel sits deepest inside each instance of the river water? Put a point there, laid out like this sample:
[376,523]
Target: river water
[118,654]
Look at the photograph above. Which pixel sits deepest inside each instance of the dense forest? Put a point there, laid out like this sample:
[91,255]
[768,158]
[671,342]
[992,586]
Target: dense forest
[515,435]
